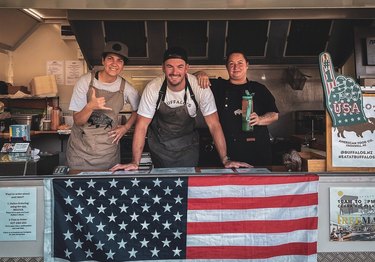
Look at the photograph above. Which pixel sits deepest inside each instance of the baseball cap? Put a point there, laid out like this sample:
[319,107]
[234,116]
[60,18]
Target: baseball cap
[175,52]
[117,48]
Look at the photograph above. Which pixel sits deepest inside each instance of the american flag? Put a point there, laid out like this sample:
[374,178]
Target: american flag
[200,218]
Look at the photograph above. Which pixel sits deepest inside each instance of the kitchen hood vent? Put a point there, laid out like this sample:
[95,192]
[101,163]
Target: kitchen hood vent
[192,35]
[308,37]
[133,33]
[265,41]
[249,36]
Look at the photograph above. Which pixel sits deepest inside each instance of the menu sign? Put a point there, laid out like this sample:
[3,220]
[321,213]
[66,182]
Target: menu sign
[18,214]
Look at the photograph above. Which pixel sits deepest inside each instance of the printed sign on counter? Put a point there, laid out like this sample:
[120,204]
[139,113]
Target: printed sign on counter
[354,146]
[18,214]
[352,214]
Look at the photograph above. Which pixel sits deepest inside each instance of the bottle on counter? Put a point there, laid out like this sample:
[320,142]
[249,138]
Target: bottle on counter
[55,117]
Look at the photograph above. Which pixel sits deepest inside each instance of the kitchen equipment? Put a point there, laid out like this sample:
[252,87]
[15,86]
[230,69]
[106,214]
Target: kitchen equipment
[33,120]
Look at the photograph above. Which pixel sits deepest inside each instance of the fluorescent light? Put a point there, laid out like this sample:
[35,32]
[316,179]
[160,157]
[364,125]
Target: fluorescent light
[33,13]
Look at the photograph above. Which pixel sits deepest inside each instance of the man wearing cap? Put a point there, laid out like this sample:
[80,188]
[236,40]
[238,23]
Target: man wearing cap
[168,106]
[97,99]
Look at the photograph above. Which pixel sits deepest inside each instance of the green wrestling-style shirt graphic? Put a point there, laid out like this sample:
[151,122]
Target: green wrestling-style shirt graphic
[343,96]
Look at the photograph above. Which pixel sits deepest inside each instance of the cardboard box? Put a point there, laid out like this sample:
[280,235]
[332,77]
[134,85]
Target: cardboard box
[44,86]
[312,162]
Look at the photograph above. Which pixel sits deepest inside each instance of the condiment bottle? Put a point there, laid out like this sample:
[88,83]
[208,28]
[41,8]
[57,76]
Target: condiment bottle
[55,118]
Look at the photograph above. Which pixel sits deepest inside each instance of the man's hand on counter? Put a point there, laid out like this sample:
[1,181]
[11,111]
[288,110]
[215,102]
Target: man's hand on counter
[236,164]
[127,167]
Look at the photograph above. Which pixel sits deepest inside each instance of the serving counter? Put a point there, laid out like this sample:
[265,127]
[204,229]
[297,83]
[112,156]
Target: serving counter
[326,250]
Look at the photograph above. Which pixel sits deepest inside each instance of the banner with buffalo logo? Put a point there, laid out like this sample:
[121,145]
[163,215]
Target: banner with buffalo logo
[352,115]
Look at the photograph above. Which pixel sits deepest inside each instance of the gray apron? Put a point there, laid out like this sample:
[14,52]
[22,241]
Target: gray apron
[172,138]
[89,146]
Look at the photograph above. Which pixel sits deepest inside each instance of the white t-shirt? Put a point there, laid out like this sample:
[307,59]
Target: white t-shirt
[79,97]
[204,97]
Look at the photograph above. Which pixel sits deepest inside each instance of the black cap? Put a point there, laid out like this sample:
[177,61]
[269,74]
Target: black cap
[117,48]
[175,52]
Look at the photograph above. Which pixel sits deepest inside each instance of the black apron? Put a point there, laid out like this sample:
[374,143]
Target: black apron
[172,138]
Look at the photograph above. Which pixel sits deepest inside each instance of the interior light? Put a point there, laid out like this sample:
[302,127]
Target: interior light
[263,77]
[33,13]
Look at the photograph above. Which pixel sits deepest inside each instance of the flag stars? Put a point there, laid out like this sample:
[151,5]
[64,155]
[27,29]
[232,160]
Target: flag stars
[157,182]
[122,226]
[145,208]
[79,209]
[102,192]
[145,225]
[167,191]
[177,252]
[78,227]
[111,236]
[178,199]
[101,209]
[80,191]
[178,216]
[167,208]
[133,234]
[135,182]
[132,253]
[99,245]
[144,242]
[91,183]
[155,234]
[146,191]
[90,201]
[134,199]
[67,253]
[112,200]
[179,182]
[69,183]
[134,217]
[112,217]
[124,191]
[89,236]
[68,200]
[166,242]
[67,235]
[78,244]
[167,225]
[113,183]
[156,216]
[123,208]
[122,244]
[177,234]
[90,218]
[110,254]
[155,252]
[100,227]
[68,217]
[156,199]
[89,253]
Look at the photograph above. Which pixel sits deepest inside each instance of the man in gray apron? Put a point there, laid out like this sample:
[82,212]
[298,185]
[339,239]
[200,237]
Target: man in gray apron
[97,99]
[166,113]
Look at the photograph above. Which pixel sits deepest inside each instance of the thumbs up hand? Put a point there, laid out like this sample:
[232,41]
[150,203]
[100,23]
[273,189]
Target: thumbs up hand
[97,102]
